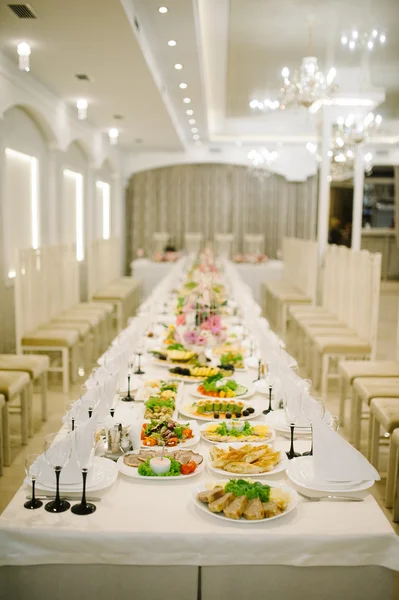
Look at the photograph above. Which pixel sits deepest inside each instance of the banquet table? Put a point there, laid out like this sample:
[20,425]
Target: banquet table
[254,274]
[148,539]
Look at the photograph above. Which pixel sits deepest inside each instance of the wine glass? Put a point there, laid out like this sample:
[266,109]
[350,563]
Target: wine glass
[313,410]
[84,445]
[292,408]
[90,397]
[57,451]
[333,422]
[270,379]
[73,412]
[129,397]
[33,467]
[139,353]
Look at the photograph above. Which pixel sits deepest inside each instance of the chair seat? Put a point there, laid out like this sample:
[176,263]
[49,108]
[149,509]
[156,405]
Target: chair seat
[112,294]
[371,387]
[386,412]
[341,344]
[280,286]
[316,329]
[82,328]
[299,310]
[293,296]
[96,306]
[73,316]
[317,319]
[34,364]
[351,369]
[395,437]
[57,337]
[12,383]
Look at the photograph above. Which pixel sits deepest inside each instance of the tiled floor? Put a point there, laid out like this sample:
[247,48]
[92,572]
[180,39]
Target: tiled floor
[14,475]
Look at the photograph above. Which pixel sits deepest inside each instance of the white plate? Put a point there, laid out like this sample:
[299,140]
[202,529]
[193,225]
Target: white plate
[184,409]
[204,507]
[133,471]
[188,444]
[250,392]
[205,426]
[281,465]
[102,474]
[300,471]
[277,420]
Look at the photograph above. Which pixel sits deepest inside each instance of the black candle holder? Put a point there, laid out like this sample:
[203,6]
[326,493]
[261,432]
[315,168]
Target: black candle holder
[291,453]
[269,409]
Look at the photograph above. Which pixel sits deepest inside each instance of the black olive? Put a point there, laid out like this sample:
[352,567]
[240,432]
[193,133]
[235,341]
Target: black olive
[238,415]
[228,415]
[250,410]
[215,415]
[245,413]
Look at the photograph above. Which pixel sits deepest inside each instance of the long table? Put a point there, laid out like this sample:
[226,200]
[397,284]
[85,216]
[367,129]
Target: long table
[149,540]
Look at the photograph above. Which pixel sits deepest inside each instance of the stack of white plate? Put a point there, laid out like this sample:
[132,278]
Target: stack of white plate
[301,472]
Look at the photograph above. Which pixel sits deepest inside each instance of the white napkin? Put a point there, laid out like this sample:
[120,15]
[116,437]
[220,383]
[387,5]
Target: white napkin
[336,460]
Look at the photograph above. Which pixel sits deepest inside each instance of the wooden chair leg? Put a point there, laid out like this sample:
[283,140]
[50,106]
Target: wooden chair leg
[1,444]
[391,476]
[65,370]
[375,441]
[43,394]
[6,436]
[352,418]
[24,399]
[30,409]
[325,366]
[343,390]
[357,424]
[396,496]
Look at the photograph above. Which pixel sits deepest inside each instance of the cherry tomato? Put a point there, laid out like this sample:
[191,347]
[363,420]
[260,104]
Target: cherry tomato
[185,469]
[172,441]
[193,465]
[187,433]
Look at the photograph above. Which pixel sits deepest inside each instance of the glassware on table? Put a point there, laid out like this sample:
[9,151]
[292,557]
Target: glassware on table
[84,445]
[139,353]
[90,397]
[314,410]
[333,422]
[73,412]
[129,397]
[57,451]
[270,379]
[293,410]
[33,467]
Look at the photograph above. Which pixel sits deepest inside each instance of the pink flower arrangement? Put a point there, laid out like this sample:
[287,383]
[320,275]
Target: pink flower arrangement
[213,324]
[181,320]
[192,338]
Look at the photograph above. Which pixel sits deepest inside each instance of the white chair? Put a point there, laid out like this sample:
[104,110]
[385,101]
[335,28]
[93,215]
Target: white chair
[159,240]
[223,244]
[193,242]
[254,243]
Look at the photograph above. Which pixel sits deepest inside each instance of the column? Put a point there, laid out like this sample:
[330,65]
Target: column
[324,185]
[358,192]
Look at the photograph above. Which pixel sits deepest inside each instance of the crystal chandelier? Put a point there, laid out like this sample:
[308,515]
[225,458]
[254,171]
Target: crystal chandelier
[308,83]
[355,129]
[261,162]
[366,40]
[342,158]
[265,105]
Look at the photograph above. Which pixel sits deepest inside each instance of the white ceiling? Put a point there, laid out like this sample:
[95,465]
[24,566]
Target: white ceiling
[231,51]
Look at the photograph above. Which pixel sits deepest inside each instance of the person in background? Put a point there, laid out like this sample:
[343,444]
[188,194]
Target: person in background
[335,235]
[347,235]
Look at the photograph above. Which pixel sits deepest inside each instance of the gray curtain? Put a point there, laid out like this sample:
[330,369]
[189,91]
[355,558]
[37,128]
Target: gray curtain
[215,198]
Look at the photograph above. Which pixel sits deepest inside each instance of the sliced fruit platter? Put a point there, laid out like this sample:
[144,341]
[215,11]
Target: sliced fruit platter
[246,459]
[172,356]
[169,432]
[218,386]
[246,501]
[149,464]
[236,431]
[195,374]
[232,359]
[212,409]
[229,347]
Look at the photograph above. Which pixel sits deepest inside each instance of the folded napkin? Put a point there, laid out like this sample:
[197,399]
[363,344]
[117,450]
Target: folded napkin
[336,460]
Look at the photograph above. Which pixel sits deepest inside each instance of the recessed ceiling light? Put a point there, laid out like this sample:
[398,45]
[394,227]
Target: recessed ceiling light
[182,86]
[172,43]
[178,67]
[189,112]
[191,121]
[162,9]
[194,130]
[196,137]
[186,100]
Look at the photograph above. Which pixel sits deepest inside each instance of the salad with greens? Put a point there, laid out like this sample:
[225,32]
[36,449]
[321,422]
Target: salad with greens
[222,429]
[145,469]
[220,387]
[241,487]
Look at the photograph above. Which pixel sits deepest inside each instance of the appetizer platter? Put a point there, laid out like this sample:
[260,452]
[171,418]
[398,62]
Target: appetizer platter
[236,431]
[173,356]
[213,410]
[218,386]
[229,347]
[245,501]
[246,459]
[233,359]
[148,464]
[197,373]
[169,432]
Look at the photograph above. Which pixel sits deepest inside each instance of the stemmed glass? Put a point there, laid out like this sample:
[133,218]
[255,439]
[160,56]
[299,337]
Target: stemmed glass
[314,410]
[139,353]
[57,451]
[292,408]
[334,422]
[129,397]
[73,411]
[33,467]
[84,445]
[271,379]
[90,397]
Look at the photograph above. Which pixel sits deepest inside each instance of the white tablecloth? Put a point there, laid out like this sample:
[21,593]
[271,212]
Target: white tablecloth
[157,523]
[255,274]
[149,273]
